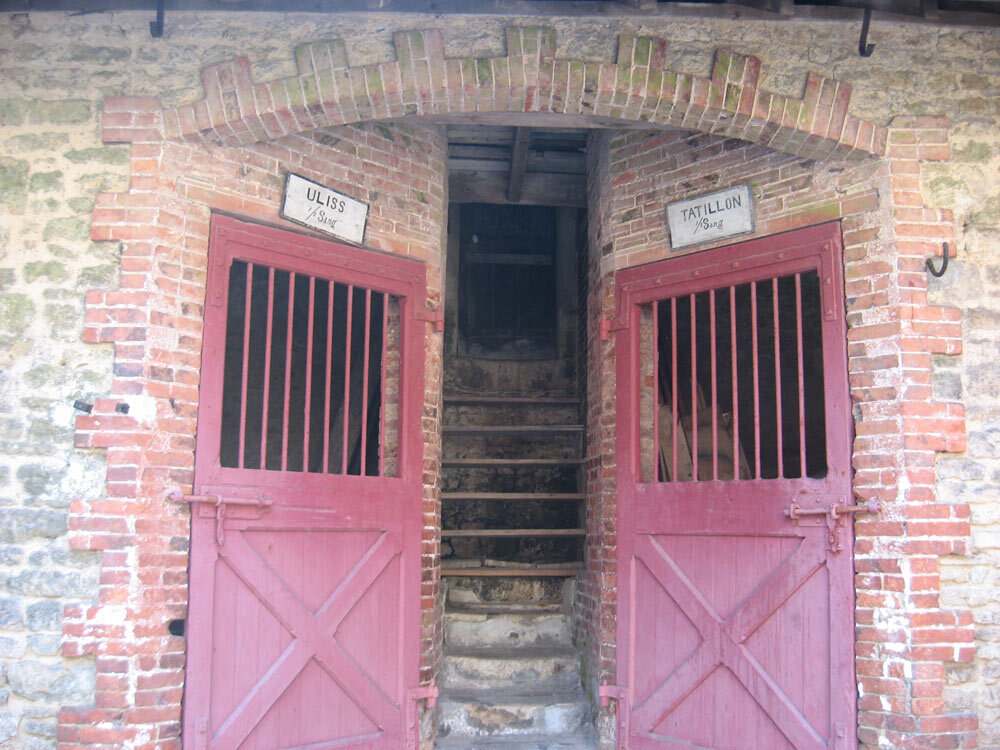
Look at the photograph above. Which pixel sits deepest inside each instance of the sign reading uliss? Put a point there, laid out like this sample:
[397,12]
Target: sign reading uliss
[315,206]
[726,213]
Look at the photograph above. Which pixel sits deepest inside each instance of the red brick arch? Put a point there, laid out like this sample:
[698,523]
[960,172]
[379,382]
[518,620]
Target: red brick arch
[154,322]
[529,78]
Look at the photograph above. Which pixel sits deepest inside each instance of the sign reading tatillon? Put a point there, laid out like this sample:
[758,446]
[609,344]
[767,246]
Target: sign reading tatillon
[318,207]
[725,213]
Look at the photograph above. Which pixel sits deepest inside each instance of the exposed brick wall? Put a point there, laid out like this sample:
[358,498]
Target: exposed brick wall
[905,640]
[155,323]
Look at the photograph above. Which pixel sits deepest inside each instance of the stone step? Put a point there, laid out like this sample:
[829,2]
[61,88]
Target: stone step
[575,741]
[464,628]
[495,714]
[510,411]
[509,591]
[561,444]
[552,668]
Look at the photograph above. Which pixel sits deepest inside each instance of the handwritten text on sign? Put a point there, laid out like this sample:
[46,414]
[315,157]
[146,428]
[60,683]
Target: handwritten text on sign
[315,206]
[710,217]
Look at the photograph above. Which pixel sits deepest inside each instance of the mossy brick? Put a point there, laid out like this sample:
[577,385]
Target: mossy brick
[65,112]
[16,312]
[6,279]
[45,205]
[98,277]
[987,215]
[64,320]
[642,51]
[12,111]
[40,479]
[45,182]
[99,155]
[484,71]
[974,151]
[52,270]
[100,55]
[102,182]
[81,205]
[73,228]
[13,183]
[945,189]
[28,142]
[59,294]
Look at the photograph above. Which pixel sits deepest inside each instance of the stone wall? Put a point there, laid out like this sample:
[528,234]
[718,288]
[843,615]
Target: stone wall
[57,68]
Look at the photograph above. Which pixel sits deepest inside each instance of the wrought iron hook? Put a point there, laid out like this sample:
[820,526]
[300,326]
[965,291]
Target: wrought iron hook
[865,49]
[938,273]
[156,27]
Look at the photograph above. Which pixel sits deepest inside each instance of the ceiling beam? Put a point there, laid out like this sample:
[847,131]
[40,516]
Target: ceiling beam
[538,189]
[518,161]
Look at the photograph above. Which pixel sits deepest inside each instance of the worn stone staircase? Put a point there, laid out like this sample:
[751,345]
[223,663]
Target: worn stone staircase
[512,518]
[510,674]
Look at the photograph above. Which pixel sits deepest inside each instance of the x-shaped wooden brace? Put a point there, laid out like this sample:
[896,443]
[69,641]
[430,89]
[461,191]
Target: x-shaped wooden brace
[722,641]
[312,633]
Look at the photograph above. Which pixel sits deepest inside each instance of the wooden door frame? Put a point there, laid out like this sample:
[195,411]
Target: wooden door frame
[817,247]
[405,279]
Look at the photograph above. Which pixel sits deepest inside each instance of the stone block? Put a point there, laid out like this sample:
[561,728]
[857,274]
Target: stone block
[44,615]
[10,612]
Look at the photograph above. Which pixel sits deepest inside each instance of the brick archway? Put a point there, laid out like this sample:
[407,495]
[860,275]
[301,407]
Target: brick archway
[186,162]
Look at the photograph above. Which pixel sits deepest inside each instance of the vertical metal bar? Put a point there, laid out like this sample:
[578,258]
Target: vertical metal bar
[656,391]
[715,388]
[694,390]
[777,378]
[382,385]
[756,379]
[309,370]
[673,378]
[329,375]
[288,370]
[802,388]
[347,377]
[736,391]
[267,367]
[364,384]
[246,361]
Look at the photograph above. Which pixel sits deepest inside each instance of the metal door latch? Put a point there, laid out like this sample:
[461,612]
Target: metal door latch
[833,515]
[428,693]
[220,503]
[607,693]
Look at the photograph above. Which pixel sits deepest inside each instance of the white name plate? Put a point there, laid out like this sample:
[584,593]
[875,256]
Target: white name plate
[725,213]
[312,205]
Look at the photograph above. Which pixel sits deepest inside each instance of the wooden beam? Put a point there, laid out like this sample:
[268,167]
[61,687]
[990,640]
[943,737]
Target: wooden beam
[538,189]
[518,161]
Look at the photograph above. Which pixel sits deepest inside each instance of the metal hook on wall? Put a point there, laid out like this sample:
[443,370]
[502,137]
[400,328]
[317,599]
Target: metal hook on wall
[938,273]
[156,27]
[865,49]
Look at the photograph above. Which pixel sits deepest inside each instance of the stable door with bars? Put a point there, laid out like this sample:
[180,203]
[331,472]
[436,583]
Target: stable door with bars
[303,627]
[735,568]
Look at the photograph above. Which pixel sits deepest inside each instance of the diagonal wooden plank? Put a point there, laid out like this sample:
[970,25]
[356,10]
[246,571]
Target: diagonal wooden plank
[289,610]
[787,578]
[678,685]
[677,584]
[771,698]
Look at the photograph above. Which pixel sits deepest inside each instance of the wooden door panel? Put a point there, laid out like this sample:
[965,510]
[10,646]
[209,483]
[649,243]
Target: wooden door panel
[736,628]
[303,627]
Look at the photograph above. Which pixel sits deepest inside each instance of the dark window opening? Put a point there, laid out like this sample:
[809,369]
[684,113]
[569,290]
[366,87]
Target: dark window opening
[739,374]
[507,280]
[305,373]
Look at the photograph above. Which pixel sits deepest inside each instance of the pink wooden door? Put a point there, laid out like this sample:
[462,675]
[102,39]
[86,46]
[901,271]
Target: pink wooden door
[736,599]
[303,626]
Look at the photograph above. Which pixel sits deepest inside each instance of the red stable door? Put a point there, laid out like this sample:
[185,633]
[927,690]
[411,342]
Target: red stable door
[735,572]
[303,627]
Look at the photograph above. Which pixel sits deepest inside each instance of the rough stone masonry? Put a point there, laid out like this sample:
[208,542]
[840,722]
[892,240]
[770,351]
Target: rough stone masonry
[55,70]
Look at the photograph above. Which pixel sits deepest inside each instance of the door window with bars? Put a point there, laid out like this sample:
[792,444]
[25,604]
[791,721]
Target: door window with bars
[733,383]
[311,377]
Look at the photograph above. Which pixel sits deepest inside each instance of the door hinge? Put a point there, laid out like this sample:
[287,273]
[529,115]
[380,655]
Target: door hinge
[220,503]
[607,693]
[427,693]
[431,316]
[607,326]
